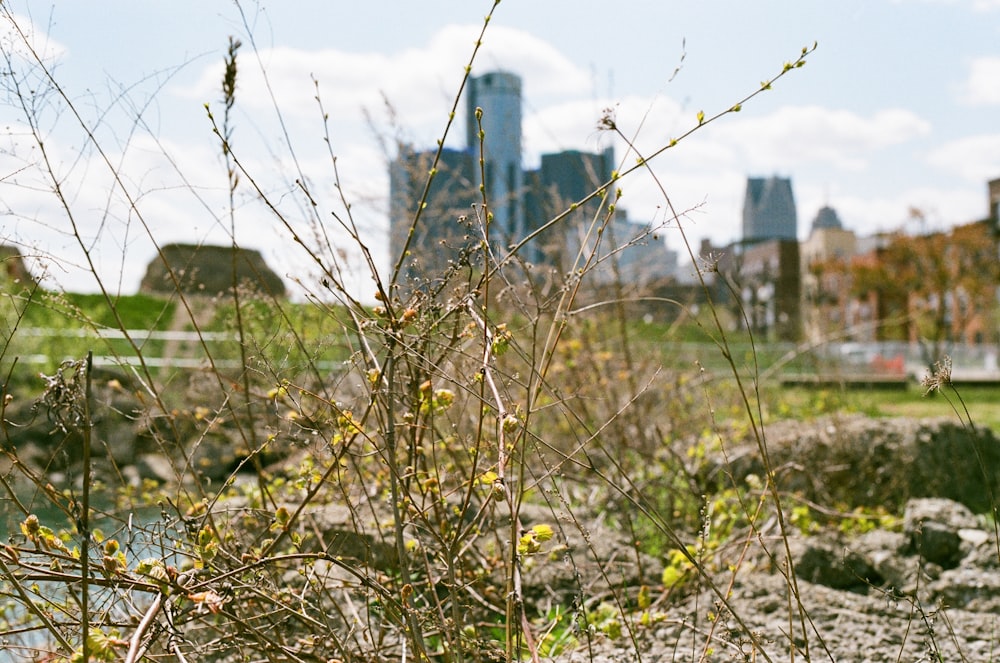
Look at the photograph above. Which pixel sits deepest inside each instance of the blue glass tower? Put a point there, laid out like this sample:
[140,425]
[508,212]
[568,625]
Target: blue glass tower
[769,210]
[498,94]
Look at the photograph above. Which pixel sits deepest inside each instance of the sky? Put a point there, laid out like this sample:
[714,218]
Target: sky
[897,108]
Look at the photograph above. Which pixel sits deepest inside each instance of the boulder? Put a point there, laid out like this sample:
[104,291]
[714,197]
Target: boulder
[863,461]
[824,563]
[14,274]
[584,552]
[932,526]
[208,270]
[940,553]
[40,437]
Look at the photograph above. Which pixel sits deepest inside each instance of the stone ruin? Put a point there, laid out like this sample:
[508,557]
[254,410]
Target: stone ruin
[14,274]
[208,270]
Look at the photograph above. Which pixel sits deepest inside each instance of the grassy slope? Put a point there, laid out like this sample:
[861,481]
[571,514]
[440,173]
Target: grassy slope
[981,402]
[677,346]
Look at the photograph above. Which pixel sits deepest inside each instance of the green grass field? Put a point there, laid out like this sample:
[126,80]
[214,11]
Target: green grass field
[43,330]
[800,402]
[75,318]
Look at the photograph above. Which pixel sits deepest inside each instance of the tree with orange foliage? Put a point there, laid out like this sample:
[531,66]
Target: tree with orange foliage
[942,285]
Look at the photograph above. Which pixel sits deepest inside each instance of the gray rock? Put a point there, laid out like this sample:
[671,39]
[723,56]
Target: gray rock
[591,553]
[933,525]
[863,461]
[155,466]
[969,588]
[948,513]
[884,551]
[824,563]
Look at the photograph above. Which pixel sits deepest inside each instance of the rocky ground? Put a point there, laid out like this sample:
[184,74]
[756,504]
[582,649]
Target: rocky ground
[925,588]
[871,598]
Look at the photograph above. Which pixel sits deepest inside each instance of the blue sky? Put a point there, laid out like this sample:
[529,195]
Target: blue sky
[897,108]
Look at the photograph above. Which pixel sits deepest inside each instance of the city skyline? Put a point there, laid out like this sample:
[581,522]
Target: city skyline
[890,113]
[520,201]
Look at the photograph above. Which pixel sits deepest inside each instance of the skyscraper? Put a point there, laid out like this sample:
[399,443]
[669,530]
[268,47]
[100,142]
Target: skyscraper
[441,236]
[563,179]
[498,94]
[448,234]
[769,210]
[448,225]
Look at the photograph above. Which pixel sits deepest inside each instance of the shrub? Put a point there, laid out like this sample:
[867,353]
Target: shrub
[394,503]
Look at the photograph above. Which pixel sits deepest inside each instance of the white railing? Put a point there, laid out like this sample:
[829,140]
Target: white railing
[134,334]
[183,359]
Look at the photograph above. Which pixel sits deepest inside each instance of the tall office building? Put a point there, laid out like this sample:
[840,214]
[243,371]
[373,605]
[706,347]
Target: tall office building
[520,201]
[574,174]
[769,210]
[441,236]
[563,179]
[498,94]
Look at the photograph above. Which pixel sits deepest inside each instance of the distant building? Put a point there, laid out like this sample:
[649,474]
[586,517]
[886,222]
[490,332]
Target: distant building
[625,250]
[993,186]
[573,174]
[827,219]
[828,239]
[448,227]
[761,275]
[498,94]
[646,260]
[838,286]
[561,181]
[766,276]
[764,269]
[520,202]
[825,263]
[769,210]
[444,233]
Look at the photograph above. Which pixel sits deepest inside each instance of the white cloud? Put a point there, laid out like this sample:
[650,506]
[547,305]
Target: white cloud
[648,123]
[943,207]
[419,83]
[982,85]
[20,37]
[796,135]
[705,176]
[975,158]
[708,203]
